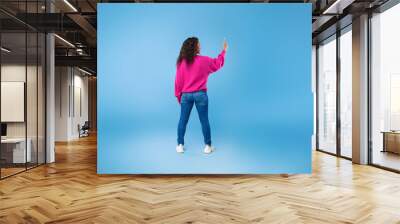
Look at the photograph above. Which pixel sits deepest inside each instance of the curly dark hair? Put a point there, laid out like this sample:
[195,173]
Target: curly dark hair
[188,50]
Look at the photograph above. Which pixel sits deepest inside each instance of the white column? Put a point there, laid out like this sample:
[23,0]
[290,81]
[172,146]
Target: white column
[63,99]
[360,90]
[50,92]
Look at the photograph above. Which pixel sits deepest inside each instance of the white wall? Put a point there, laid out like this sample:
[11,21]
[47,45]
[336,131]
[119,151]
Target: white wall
[79,117]
[71,87]
[12,73]
[62,82]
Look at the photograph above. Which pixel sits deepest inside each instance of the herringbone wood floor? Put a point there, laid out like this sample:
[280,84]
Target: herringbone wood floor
[70,191]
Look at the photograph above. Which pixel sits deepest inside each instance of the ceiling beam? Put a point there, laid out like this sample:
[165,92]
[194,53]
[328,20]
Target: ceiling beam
[86,26]
[82,61]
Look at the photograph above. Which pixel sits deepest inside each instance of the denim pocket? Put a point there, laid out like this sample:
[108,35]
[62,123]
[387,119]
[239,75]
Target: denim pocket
[202,98]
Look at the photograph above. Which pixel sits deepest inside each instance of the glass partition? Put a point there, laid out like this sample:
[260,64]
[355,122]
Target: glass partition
[32,96]
[22,77]
[14,153]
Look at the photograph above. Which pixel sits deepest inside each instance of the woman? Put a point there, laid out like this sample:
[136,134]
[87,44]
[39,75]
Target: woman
[192,71]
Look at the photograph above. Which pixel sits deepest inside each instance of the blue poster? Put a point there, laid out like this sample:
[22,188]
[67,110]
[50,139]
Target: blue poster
[204,88]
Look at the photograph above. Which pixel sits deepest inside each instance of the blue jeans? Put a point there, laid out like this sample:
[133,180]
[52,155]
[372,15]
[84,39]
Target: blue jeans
[199,98]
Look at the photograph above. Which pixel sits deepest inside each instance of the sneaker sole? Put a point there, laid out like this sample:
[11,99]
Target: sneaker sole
[212,150]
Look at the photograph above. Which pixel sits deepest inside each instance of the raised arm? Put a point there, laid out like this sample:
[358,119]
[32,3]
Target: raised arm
[218,62]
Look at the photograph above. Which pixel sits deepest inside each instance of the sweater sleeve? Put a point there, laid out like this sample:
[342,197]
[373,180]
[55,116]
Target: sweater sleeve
[178,85]
[216,63]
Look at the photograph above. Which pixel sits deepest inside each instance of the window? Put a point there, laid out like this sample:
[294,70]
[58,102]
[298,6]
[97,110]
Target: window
[346,92]
[385,89]
[327,95]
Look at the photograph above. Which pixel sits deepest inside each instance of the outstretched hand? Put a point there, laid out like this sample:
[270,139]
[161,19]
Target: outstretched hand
[225,45]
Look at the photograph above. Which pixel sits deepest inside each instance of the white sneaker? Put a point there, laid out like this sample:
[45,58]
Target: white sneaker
[179,148]
[208,149]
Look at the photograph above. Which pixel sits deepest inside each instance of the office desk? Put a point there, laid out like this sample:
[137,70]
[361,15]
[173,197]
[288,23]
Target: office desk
[13,150]
[391,141]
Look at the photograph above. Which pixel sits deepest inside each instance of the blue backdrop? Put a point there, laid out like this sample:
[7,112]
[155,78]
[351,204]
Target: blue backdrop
[260,102]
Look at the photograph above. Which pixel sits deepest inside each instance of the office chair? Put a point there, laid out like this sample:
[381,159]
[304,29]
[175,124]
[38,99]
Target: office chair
[84,130]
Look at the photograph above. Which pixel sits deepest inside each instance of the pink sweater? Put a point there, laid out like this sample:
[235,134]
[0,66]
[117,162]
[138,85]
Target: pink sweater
[193,77]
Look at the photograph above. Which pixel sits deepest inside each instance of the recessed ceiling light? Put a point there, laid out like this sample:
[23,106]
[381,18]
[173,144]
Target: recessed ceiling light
[64,40]
[70,5]
[5,50]
[84,71]
[337,7]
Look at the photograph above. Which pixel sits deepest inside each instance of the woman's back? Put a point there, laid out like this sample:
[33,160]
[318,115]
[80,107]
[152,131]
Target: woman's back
[191,77]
